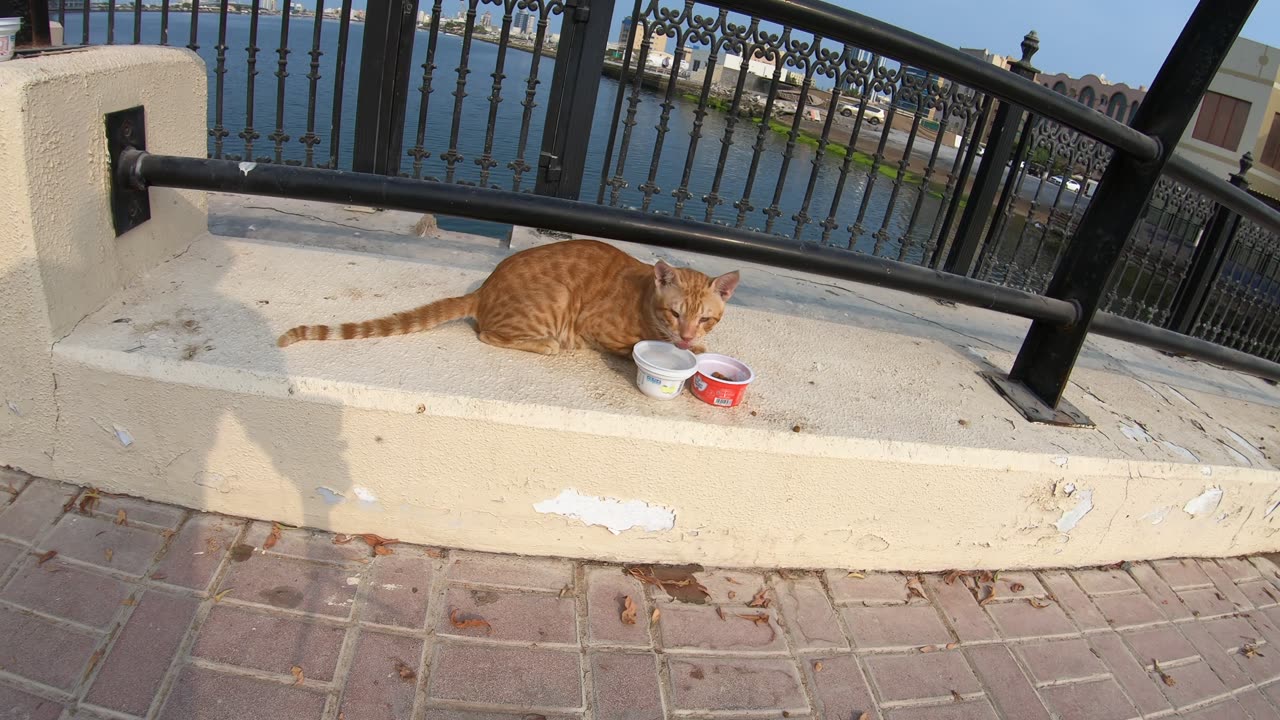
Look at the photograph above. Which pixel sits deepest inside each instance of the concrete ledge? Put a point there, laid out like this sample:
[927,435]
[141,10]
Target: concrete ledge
[174,391]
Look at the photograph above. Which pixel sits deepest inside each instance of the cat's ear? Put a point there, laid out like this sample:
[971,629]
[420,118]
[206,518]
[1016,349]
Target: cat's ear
[726,284]
[663,274]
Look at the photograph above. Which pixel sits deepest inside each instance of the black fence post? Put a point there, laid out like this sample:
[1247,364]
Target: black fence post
[1048,354]
[1207,260]
[995,160]
[571,102]
[385,61]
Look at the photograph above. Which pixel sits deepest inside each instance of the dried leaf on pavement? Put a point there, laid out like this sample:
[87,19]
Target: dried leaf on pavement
[434,553]
[628,611]
[759,601]
[731,581]
[956,697]
[1250,649]
[1165,677]
[953,645]
[297,674]
[218,597]
[720,612]
[1037,604]
[864,716]
[377,540]
[109,553]
[991,595]
[817,666]
[455,619]
[405,672]
[89,500]
[757,618]
[341,539]
[46,557]
[914,588]
[93,662]
[121,518]
[1017,587]
[166,534]
[656,614]
[929,649]
[382,550]
[732,594]
[273,538]
[951,577]
[128,601]
[856,575]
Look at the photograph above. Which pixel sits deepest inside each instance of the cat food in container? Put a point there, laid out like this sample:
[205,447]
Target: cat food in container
[662,368]
[721,380]
[9,27]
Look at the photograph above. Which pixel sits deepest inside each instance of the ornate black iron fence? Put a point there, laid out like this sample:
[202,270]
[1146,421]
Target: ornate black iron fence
[794,121]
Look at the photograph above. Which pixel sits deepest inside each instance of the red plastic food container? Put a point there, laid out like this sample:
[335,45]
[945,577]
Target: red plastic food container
[715,391]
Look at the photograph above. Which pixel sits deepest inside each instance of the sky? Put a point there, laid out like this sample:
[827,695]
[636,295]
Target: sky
[1126,40]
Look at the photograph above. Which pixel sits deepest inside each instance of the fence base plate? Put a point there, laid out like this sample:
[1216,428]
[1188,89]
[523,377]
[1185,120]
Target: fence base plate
[1033,408]
[130,206]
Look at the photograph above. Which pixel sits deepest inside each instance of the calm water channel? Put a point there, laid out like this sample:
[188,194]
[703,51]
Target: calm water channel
[470,130]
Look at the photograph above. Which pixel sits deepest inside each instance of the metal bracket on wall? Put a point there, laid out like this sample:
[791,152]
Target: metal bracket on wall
[1032,407]
[130,205]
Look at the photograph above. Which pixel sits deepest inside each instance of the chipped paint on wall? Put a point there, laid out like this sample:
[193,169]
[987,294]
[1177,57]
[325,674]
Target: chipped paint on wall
[1180,451]
[1158,515]
[365,495]
[610,513]
[1245,444]
[1271,508]
[330,497]
[1071,518]
[1204,503]
[214,481]
[1135,432]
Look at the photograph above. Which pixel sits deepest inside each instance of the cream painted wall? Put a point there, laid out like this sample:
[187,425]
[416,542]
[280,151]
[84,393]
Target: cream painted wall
[59,257]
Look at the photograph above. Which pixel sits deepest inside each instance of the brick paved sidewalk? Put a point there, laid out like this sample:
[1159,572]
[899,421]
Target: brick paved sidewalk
[182,615]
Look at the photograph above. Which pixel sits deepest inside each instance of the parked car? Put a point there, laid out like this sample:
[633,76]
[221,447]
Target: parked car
[872,115]
[1071,183]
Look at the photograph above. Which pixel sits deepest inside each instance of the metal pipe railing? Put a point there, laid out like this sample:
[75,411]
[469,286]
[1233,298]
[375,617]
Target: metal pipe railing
[138,169]
[919,51]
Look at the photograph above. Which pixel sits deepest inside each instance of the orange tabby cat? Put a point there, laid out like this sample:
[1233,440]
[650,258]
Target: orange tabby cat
[562,296]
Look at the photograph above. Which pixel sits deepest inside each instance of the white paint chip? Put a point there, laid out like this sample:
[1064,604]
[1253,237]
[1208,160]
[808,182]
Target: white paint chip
[331,497]
[1180,451]
[1204,503]
[365,494]
[1248,446]
[1158,515]
[247,167]
[1060,461]
[612,514]
[213,481]
[1072,517]
[122,435]
[1135,432]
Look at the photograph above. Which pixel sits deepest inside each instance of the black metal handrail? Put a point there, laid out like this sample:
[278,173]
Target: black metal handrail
[1224,193]
[917,50]
[138,169]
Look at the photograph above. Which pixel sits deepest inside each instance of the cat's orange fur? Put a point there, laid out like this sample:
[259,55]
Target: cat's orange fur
[562,296]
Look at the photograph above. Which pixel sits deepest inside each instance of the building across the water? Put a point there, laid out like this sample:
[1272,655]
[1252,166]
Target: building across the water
[1239,114]
[1115,100]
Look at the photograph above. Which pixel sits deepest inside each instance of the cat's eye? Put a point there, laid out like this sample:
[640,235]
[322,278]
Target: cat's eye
[674,314]
[705,319]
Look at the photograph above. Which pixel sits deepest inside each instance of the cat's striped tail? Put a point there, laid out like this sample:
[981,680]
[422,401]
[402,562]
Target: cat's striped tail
[401,323]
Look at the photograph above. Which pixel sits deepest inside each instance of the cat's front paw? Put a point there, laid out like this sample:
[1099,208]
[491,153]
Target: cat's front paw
[697,349]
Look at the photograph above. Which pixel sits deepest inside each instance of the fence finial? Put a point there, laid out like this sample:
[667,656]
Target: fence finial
[1246,162]
[1030,44]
